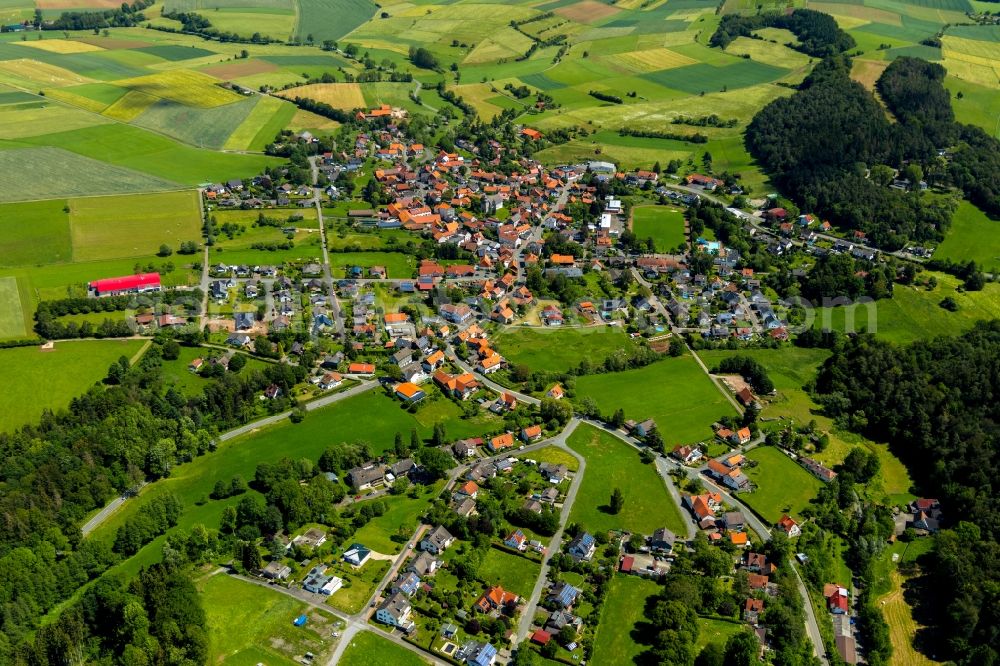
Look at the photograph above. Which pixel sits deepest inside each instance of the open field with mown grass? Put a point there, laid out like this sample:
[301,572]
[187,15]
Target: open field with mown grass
[14,323]
[972,237]
[559,350]
[50,379]
[782,485]
[133,225]
[714,630]
[611,463]
[35,232]
[624,608]
[664,224]
[369,649]
[674,392]
[388,533]
[553,454]
[248,624]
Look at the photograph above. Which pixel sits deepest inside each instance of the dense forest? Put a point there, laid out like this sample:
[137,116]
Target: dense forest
[935,402]
[914,91]
[818,33]
[819,144]
[108,440]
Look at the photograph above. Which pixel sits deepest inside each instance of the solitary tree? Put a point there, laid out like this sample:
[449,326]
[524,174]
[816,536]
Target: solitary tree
[617,501]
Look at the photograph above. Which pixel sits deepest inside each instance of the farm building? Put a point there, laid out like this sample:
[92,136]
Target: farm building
[129,284]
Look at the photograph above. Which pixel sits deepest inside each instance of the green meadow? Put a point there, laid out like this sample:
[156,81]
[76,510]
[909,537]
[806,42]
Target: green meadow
[782,486]
[611,463]
[559,350]
[50,379]
[972,237]
[624,608]
[369,649]
[674,392]
[665,225]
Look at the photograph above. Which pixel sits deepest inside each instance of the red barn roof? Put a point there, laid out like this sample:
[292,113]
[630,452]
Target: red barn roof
[142,280]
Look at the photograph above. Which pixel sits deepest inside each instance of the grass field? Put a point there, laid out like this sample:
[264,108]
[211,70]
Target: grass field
[613,464]
[555,455]
[399,521]
[624,607]
[50,379]
[248,624]
[664,224]
[397,265]
[559,350]
[369,649]
[14,323]
[914,313]
[35,232]
[132,225]
[40,117]
[161,161]
[902,627]
[332,19]
[972,236]
[511,572]
[268,117]
[782,485]
[32,74]
[204,128]
[675,392]
[712,630]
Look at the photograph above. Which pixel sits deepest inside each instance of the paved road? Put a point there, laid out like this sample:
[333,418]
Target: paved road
[106,512]
[489,382]
[528,612]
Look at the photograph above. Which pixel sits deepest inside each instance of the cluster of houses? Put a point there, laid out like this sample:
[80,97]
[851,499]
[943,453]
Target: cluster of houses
[258,192]
[375,474]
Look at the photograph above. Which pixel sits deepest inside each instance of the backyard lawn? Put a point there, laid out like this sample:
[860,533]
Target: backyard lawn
[387,533]
[555,455]
[624,607]
[782,485]
[613,464]
[511,572]
[712,630]
[674,392]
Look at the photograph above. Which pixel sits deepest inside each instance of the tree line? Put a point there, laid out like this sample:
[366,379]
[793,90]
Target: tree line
[934,402]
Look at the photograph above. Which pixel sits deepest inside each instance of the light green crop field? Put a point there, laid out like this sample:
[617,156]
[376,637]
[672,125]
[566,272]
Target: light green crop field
[12,320]
[369,649]
[511,572]
[50,172]
[674,392]
[611,464]
[204,128]
[332,19]
[32,119]
[559,350]
[972,237]
[50,379]
[35,232]
[249,624]
[132,225]
[664,224]
[782,485]
[157,162]
[623,609]
[268,117]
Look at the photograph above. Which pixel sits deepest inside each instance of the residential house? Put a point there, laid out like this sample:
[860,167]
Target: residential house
[501,442]
[582,547]
[356,554]
[366,476]
[734,520]
[752,610]
[531,433]
[516,539]
[465,448]
[424,564]
[556,392]
[496,599]
[317,582]
[645,428]
[789,526]
[478,654]
[395,612]
[662,540]
[687,454]
[437,541]
[276,571]
[409,392]
[408,583]
[563,594]
[554,472]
